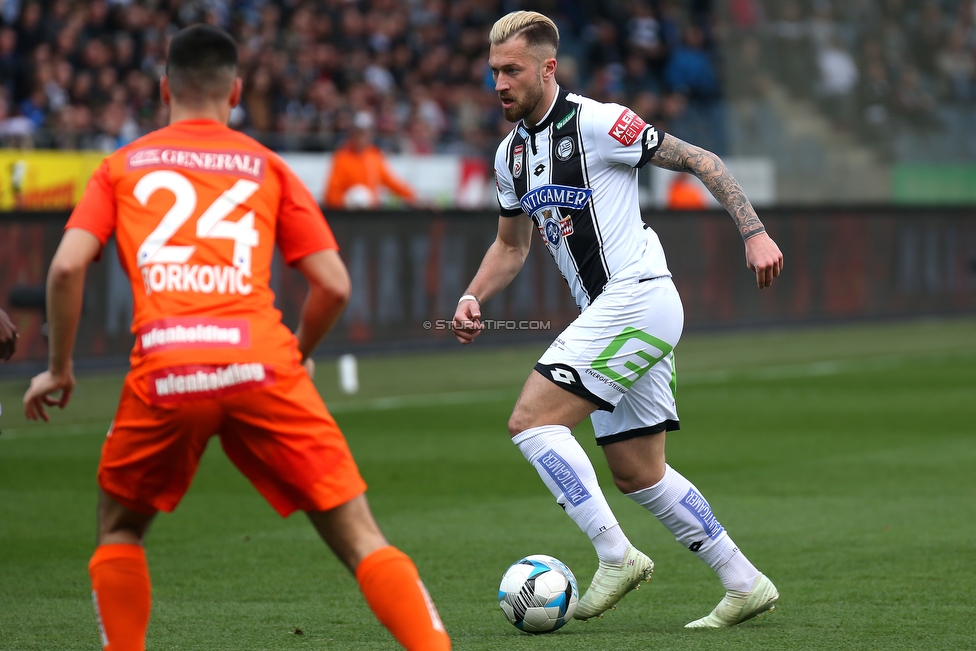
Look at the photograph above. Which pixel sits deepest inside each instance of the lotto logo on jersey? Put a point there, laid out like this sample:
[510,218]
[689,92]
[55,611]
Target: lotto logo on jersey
[222,162]
[181,333]
[651,139]
[627,128]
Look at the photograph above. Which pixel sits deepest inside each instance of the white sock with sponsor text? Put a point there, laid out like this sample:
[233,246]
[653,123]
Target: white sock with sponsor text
[569,475]
[681,508]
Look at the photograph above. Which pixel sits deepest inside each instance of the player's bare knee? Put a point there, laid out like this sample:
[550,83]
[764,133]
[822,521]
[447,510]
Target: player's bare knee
[122,527]
[349,530]
[520,421]
[515,422]
[627,484]
[120,524]
[631,482]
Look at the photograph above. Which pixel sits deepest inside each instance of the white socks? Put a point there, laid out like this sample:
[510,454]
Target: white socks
[681,508]
[569,475]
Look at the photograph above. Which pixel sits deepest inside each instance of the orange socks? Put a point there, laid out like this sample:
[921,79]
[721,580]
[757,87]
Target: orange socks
[392,587]
[387,577]
[121,594]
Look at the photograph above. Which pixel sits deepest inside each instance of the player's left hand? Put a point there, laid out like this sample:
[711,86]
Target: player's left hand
[8,336]
[764,259]
[41,390]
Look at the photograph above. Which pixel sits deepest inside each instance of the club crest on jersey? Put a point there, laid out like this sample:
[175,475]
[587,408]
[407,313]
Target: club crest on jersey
[565,148]
[627,128]
[555,227]
[551,230]
[517,160]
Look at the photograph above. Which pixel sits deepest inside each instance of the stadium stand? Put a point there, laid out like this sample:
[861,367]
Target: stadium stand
[83,75]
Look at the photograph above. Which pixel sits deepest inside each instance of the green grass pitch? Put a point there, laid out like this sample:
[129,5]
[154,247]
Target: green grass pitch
[841,459]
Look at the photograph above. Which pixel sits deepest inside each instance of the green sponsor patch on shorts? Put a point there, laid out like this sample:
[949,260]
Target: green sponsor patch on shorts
[602,363]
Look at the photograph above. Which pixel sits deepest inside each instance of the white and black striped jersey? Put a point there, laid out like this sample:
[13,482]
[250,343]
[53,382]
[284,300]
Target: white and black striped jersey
[575,175]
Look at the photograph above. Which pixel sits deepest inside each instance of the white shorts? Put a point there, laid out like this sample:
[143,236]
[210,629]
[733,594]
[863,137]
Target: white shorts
[618,354]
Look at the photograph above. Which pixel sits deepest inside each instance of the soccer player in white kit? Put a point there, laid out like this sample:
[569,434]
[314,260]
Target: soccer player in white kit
[569,169]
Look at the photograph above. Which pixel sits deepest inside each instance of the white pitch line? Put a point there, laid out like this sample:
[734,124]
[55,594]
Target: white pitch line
[375,404]
[817,369]
[421,400]
[813,369]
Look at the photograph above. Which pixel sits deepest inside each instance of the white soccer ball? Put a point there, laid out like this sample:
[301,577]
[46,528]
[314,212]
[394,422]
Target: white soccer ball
[360,197]
[538,594]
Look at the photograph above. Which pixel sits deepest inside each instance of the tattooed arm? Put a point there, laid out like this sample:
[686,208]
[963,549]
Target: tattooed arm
[677,155]
[762,255]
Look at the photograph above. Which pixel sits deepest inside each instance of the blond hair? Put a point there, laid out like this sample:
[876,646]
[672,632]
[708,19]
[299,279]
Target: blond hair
[538,31]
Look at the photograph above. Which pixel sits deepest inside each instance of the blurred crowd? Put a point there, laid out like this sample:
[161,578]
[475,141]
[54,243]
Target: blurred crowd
[873,67]
[83,74]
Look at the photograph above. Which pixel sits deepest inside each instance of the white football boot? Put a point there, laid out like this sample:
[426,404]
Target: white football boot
[736,607]
[612,581]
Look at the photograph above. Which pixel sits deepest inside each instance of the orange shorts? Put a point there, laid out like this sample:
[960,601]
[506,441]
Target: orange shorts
[279,434]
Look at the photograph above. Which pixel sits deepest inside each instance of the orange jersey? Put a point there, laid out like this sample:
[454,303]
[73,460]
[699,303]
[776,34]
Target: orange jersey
[197,209]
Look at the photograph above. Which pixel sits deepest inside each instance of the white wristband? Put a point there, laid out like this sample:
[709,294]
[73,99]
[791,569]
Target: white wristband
[469,297]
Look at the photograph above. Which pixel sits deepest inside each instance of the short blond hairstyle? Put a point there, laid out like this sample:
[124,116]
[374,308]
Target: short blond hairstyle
[538,31]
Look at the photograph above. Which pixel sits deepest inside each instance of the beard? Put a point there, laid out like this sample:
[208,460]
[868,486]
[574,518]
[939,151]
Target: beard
[526,105]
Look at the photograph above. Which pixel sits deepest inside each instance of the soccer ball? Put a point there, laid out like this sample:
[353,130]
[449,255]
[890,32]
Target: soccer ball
[360,197]
[538,594]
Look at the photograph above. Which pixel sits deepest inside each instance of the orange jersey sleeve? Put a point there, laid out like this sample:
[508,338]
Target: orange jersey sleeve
[302,229]
[95,212]
[197,209]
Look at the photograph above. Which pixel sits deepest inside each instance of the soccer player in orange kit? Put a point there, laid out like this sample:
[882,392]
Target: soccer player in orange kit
[360,171]
[196,209]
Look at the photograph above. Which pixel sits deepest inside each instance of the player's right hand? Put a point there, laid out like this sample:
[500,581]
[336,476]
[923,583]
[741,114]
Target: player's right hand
[764,259]
[467,321]
[8,336]
[41,390]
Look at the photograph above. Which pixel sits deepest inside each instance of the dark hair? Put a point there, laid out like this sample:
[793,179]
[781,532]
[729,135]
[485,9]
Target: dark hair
[201,63]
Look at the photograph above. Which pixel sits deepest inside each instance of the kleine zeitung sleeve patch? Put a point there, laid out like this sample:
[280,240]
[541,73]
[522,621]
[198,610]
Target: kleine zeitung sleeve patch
[627,128]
